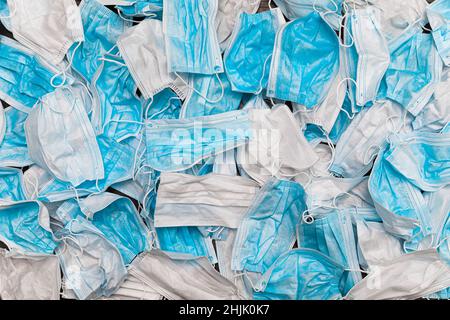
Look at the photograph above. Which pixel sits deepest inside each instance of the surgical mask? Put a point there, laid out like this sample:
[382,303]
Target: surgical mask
[399,203]
[413,73]
[25,227]
[47,27]
[276,145]
[134,289]
[67,147]
[438,14]
[117,111]
[410,276]
[117,161]
[248,57]
[176,145]
[191,38]
[373,53]
[102,29]
[227,15]
[13,148]
[416,156]
[29,277]
[143,50]
[11,188]
[301,274]
[24,77]
[186,240]
[320,168]
[364,137]
[436,114]
[268,228]
[400,16]
[293,77]
[92,266]
[209,200]
[182,278]
[138,8]
[330,9]
[439,204]
[225,164]
[332,234]
[210,95]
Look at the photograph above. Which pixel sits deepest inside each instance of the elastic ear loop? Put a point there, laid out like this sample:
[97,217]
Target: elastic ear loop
[331,145]
[108,53]
[263,74]
[270,5]
[199,93]
[442,242]
[63,72]
[308,218]
[12,12]
[342,27]
[350,117]
[164,109]
[327,11]
[35,193]
[119,12]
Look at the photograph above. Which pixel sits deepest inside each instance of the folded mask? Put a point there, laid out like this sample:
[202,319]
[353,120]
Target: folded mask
[248,58]
[11,185]
[227,16]
[25,227]
[13,148]
[24,77]
[182,278]
[363,138]
[408,277]
[92,266]
[210,95]
[176,145]
[209,200]
[143,50]
[277,148]
[191,38]
[301,274]
[102,28]
[422,157]
[68,147]
[305,61]
[413,73]
[29,277]
[268,228]
[438,14]
[134,289]
[117,111]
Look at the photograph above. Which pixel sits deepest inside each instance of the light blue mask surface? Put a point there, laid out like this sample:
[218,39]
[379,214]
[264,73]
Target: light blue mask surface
[13,148]
[422,158]
[11,187]
[188,240]
[210,87]
[305,61]
[302,274]
[119,110]
[248,58]
[269,226]
[191,37]
[92,266]
[24,77]
[102,28]
[333,235]
[176,145]
[415,67]
[20,227]
[438,14]
[118,161]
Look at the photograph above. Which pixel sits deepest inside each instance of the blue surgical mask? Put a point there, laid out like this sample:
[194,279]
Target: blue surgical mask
[268,228]
[191,38]
[117,109]
[176,145]
[305,61]
[248,58]
[438,14]
[141,8]
[414,70]
[301,274]
[11,187]
[92,266]
[423,158]
[24,77]
[102,28]
[210,96]
[13,149]
[25,226]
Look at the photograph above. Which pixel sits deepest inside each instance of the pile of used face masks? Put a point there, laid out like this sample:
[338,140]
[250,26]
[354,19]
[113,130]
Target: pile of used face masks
[198,149]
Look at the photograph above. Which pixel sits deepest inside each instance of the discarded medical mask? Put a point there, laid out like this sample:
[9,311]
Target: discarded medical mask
[438,14]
